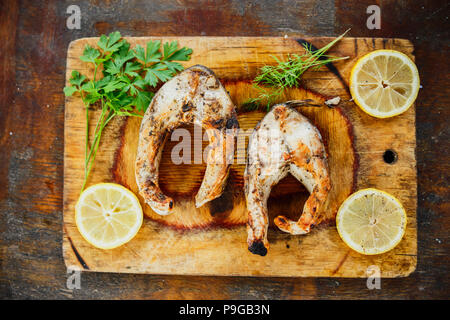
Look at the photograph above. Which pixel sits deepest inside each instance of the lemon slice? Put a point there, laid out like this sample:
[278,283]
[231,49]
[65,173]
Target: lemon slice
[108,215]
[371,221]
[384,83]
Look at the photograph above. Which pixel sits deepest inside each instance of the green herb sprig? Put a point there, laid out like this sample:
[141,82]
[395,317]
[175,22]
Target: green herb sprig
[272,81]
[128,78]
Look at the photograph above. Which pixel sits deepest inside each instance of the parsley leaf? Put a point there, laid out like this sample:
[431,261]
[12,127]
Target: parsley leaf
[173,66]
[70,90]
[139,53]
[142,100]
[92,97]
[153,54]
[110,43]
[90,54]
[171,53]
[131,68]
[76,79]
[111,67]
[156,73]
[113,85]
[89,87]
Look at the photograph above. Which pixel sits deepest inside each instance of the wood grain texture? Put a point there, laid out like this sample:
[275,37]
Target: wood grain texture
[33,56]
[211,240]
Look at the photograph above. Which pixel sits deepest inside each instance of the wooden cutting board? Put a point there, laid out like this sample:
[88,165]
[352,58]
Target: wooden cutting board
[211,240]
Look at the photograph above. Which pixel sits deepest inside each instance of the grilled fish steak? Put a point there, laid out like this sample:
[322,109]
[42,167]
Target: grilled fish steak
[284,141]
[195,96]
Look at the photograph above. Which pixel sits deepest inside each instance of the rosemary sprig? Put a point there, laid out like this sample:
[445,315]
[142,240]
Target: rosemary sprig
[272,81]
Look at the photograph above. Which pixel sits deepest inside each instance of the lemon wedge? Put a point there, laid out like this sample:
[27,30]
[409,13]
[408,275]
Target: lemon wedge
[108,215]
[384,83]
[371,221]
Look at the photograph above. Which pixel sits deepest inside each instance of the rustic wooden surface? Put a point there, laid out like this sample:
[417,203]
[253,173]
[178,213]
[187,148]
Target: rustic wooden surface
[211,239]
[33,55]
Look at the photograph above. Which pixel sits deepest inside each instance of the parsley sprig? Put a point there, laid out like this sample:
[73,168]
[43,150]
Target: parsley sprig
[272,81]
[129,76]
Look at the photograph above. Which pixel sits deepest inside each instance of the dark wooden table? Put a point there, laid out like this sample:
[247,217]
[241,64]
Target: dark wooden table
[34,39]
